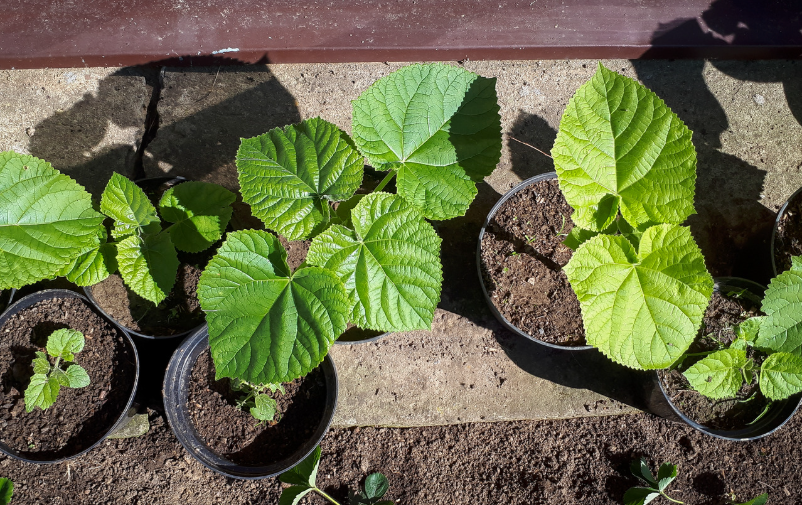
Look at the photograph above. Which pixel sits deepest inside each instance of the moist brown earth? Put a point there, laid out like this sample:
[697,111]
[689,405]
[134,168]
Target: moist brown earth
[79,417]
[522,260]
[573,462]
[788,238]
[722,315]
[235,435]
[296,251]
[177,313]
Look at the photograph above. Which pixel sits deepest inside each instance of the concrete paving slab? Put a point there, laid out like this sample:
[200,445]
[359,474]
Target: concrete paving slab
[87,122]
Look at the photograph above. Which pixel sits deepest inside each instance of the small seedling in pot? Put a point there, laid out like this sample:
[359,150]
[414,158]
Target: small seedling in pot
[47,380]
[561,232]
[6,491]
[656,487]
[255,398]
[302,482]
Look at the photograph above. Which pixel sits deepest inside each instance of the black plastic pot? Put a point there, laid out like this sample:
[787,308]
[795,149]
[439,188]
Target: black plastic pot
[176,391]
[357,335]
[6,297]
[779,414]
[780,214]
[503,320]
[34,298]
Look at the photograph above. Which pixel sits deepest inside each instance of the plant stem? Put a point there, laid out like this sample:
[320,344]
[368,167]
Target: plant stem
[670,498]
[530,145]
[324,495]
[385,181]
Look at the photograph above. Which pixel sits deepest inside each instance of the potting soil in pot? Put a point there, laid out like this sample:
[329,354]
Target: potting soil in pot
[79,417]
[722,315]
[177,313]
[236,435]
[522,259]
[788,238]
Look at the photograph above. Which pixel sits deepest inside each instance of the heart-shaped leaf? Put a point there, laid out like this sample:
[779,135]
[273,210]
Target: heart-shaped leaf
[718,375]
[199,211]
[77,377]
[64,343]
[781,329]
[129,207]
[148,265]
[781,375]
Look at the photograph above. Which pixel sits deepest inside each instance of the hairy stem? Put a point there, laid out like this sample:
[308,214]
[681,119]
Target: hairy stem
[324,495]
[385,181]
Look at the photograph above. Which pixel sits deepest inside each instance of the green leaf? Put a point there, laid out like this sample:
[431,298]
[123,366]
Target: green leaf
[266,324]
[718,375]
[376,486]
[748,330]
[41,392]
[640,496]
[148,265]
[77,376]
[46,222]
[781,330]
[781,375]
[619,147]
[389,263]
[438,126]
[199,211]
[59,376]
[579,236]
[641,470]
[305,472]
[288,176]
[641,309]
[264,409]
[6,491]
[666,475]
[64,343]
[93,266]
[129,206]
[41,365]
[293,495]
[758,500]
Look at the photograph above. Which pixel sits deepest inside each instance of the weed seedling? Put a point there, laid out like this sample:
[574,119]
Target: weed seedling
[47,380]
[256,400]
[302,482]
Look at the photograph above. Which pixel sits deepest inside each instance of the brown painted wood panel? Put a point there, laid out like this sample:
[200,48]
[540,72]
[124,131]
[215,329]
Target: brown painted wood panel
[63,33]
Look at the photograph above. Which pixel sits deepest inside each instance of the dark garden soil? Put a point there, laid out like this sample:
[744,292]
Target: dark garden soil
[723,313]
[573,462]
[80,416]
[235,435]
[788,240]
[177,313]
[522,259]
[296,251]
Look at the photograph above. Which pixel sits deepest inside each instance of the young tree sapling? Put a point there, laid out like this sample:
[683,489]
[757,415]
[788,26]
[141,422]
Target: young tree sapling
[47,380]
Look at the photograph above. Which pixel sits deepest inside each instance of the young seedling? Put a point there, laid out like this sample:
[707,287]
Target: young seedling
[6,491]
[656,487]
[374,259]
[261,406]
[47,380]
[303,476]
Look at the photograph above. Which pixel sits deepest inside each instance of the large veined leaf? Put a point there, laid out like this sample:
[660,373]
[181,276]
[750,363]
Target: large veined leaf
[129,206]
[641,308]
[389,263]
[438,126]
[148,265]
[288,176]
[199,211]
[92,267]
[781,329]
[620,147]
[267,324]
[46,221]
[781,375]
[719,374]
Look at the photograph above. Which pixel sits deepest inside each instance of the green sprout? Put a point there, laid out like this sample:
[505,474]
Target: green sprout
[47,380]
[261,405]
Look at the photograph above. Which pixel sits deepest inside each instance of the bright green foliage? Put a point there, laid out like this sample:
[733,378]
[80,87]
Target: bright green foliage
[289,176]
[718,375]
[302,479]
[148,265]
[261,405]
[781,331]
[438,127]
[47,380]
[199,211]
[129,207]
[6,491]
[781,375]
[656,486]
[389,264]
[46,221]
[758,500]
[267,324]
[94,266]
[619,147]
[641,308]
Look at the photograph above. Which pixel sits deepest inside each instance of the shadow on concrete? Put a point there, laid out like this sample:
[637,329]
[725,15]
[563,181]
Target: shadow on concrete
[535,131]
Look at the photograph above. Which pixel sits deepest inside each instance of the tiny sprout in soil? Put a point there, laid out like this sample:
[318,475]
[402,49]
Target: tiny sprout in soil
[255,398]
[47,380]
[302,482]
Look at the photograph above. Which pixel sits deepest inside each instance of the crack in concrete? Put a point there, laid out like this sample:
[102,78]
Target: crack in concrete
[154,77]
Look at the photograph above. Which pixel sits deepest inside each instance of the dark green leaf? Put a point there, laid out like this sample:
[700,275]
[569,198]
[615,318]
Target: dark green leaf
[293,495]
[641,470]
[376,485]
[305,472]
[6,491]
[758,500]
[640,496]
[666,475]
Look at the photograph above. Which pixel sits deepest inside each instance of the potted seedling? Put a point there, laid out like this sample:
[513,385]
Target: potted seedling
[373,261]
[741,377]
[786,237]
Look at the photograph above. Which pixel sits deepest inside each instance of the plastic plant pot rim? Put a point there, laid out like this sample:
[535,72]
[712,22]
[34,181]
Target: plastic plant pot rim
[46,294]
[780,214]
[175,393]
[362,341]
[782,408]
[503,320]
